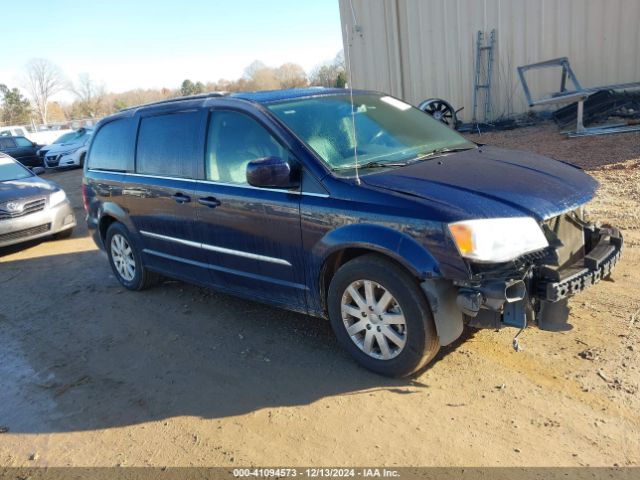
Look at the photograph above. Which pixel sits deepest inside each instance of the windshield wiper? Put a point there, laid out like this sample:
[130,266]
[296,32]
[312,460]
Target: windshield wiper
[440,151]
[373,164]
[378,164]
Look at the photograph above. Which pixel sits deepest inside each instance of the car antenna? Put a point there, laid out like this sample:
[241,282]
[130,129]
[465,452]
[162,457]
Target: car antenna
[353,113]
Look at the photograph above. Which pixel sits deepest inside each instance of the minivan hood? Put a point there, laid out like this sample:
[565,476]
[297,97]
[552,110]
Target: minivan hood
[492,182]
[25,188]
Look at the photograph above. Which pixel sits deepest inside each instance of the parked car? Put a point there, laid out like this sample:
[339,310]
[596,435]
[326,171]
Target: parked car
[70,152]
[399,234]
[31,207]
[41,137]
[13,131]
[61,139]
[22,149]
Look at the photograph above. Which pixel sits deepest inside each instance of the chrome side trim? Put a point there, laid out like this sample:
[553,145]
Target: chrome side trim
[213,248]
[239,273]
[254,256]
[211,182]
[251,187]
[160,177]
[181,241]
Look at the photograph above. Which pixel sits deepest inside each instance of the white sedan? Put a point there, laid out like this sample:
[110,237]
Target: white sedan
[71,152]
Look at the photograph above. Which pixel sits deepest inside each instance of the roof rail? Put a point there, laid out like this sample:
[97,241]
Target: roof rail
[178,99]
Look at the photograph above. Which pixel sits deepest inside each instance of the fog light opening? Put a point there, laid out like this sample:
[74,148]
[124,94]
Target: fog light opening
[515,291]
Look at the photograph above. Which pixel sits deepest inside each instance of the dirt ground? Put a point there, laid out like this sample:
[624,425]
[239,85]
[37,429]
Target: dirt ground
[94,375]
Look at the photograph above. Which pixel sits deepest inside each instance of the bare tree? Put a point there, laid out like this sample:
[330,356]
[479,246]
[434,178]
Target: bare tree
[90,95]
[253,68]
[260,77]
[323,76]
[265,79]
[330,73]
[291,75]
[43,80]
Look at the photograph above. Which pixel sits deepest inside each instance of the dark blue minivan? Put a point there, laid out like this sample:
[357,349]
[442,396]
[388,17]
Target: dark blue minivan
[357,208]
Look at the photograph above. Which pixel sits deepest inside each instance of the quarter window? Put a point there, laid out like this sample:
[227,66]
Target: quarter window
[233,140]
[112,147]
[7,143]
[169,145]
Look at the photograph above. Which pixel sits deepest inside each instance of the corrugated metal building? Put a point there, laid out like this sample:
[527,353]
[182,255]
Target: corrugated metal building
[417,49]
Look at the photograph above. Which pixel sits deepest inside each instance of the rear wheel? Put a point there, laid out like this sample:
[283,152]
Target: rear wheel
[381,317]
[126,260]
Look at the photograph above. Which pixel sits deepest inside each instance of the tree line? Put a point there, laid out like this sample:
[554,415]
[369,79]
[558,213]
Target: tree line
[43,79]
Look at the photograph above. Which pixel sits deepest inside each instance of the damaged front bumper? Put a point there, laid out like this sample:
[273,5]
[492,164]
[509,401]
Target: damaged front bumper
[536,291]
[555,285]
[532,290]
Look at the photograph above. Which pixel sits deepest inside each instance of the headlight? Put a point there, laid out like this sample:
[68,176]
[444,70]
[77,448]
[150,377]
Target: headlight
[495,240]
[57,197]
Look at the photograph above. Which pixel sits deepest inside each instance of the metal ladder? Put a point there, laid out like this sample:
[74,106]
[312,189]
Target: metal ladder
[483,82]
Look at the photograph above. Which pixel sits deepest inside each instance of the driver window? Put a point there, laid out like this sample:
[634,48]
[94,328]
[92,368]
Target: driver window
[233,140]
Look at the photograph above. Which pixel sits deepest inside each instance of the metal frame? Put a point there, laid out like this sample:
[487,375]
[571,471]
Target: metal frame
[579,94]
[478,82]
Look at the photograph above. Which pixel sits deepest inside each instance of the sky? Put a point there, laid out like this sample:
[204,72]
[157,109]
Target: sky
[128,44]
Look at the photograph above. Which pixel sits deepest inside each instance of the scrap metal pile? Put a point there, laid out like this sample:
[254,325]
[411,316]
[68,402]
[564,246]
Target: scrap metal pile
[587,106]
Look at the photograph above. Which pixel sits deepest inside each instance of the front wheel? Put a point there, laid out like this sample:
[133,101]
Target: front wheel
[381,317]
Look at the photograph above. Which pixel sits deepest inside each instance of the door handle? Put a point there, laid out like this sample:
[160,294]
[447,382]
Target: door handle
[210,202]
[181,198]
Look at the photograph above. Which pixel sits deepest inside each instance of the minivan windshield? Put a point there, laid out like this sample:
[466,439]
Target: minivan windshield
[11,170]
[388,132]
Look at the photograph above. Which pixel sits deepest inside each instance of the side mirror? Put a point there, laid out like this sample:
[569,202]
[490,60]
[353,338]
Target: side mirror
[271,172]
[38,170]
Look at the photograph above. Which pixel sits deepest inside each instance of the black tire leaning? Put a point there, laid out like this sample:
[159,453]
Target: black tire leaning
[143,278]
[422,341]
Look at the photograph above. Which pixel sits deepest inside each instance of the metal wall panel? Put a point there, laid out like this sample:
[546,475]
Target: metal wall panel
[416,49]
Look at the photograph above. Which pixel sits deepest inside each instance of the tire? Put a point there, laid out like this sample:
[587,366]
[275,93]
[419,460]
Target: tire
[420,340]
[441,110]
[126,260]
[63,234]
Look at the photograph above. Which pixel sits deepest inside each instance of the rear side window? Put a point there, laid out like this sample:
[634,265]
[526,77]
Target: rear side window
[170,145]
[23,142]
[112,147]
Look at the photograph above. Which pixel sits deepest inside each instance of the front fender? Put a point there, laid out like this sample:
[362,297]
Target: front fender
[387,241]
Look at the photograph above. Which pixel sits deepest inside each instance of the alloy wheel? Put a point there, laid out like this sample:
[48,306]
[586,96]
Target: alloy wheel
[373,319]
[123,259]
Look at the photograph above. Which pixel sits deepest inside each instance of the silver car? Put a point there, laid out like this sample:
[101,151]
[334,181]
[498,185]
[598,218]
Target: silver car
[31,207]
